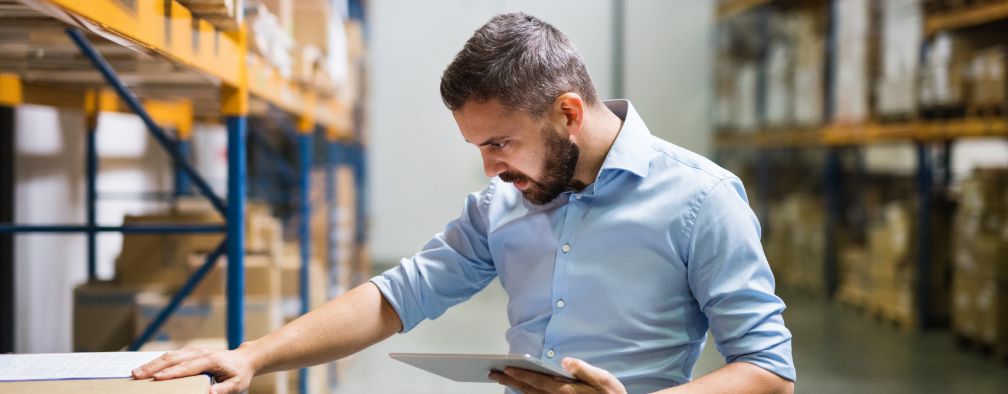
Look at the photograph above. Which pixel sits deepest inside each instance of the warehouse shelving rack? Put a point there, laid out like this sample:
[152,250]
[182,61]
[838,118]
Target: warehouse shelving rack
[835,138]
[199,73]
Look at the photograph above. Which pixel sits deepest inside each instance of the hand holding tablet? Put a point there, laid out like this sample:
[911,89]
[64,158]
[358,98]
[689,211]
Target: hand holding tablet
[477,367]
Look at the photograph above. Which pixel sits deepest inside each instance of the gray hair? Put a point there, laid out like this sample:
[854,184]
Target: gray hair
[520,60]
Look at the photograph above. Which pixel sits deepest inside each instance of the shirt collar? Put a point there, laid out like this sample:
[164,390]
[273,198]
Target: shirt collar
[632,149]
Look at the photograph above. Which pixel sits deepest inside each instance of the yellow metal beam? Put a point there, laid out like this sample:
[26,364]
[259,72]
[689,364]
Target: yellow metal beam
[176,115]
[868,133]
[966,17]
[162,26]
[169,29]
[10,90]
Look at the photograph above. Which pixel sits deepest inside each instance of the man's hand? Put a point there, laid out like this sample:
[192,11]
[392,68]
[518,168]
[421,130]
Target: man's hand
[232,369]
[592,380]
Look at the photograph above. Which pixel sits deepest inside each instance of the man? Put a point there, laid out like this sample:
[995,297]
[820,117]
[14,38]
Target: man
[618,251]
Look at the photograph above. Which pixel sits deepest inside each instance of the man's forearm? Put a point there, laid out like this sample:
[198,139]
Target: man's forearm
[341,327]
[737,377]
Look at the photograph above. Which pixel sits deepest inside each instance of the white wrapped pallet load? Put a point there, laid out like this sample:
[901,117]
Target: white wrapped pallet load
[746,112]
[271,40]
[902,35]
[724,108]
[850,84]
[944,72]
[779,68]
[808,69]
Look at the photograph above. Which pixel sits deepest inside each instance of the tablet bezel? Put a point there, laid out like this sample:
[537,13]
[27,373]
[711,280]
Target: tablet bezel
[476,367]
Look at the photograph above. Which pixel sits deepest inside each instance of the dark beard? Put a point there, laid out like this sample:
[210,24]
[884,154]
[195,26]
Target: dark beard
[558,170]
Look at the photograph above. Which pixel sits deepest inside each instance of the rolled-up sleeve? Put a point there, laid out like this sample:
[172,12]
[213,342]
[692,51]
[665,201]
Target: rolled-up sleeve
[733,284]
[451,268]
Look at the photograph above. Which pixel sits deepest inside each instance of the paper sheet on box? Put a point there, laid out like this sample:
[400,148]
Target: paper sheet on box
[58,366]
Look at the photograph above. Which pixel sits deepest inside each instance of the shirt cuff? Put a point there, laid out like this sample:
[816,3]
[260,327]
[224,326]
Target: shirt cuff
[776,359]
[394,286]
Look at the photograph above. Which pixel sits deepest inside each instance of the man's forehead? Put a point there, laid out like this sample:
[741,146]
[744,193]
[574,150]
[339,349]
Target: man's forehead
[480,121]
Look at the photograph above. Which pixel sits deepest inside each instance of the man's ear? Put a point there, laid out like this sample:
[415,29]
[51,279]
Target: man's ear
[570,110]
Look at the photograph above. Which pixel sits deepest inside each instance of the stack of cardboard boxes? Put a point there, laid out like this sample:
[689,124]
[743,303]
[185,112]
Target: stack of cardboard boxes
[980,276]
[795,241]
[151,268]
[324,46]
[989,75]
[891,281]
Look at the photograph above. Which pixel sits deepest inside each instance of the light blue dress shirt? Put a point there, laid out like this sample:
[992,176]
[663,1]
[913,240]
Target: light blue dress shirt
[627,274]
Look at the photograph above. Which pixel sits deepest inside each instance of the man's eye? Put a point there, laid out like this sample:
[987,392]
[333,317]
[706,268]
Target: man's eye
[500,145]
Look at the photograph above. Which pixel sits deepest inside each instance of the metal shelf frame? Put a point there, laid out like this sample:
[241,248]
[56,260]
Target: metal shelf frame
[838,138]
[167,30]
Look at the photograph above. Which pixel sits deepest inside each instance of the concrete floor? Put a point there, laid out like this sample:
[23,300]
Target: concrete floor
[836,350]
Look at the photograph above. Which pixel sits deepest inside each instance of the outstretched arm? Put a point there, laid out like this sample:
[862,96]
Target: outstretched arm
[343,326]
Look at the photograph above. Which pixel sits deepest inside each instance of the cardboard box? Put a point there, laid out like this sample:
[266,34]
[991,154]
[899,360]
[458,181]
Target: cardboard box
[262,277]
[290,284]
[104,315]
[795,241]
[311,23]
[162,258]
[988,78]
[203,318]
[273,383]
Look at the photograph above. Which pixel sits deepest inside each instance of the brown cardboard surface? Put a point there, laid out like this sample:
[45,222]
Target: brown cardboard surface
[262,277]
[104,317]
[194,384]
[272,383]
[205,318]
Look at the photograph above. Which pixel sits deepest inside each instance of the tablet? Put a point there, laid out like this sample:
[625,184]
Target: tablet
[477,367]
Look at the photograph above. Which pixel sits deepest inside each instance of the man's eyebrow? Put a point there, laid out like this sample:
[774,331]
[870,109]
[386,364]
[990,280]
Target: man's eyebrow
[491,140]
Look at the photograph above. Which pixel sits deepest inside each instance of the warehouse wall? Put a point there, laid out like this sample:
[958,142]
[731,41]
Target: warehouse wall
[421,169]
[50,188]
[669,55]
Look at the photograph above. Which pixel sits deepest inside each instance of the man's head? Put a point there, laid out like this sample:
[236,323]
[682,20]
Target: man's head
[519,90]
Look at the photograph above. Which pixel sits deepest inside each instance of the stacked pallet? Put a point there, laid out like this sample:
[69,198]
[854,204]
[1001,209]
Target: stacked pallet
[882,278]
[980,276]
[795,242]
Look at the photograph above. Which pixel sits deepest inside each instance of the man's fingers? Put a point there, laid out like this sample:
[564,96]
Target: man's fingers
[594,376]
[537,380]
[230,386]
[187,368]
[166,360]
[516,384]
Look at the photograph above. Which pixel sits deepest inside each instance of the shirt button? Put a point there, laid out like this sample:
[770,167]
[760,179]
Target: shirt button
[565,248]
[561,303]
[550,353]
[577,196]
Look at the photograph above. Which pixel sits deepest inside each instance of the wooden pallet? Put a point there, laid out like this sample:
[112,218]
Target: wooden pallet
[943,112]
[988,111]
[998,352]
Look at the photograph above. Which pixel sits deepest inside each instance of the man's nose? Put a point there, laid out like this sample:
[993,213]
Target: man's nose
[492,167]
